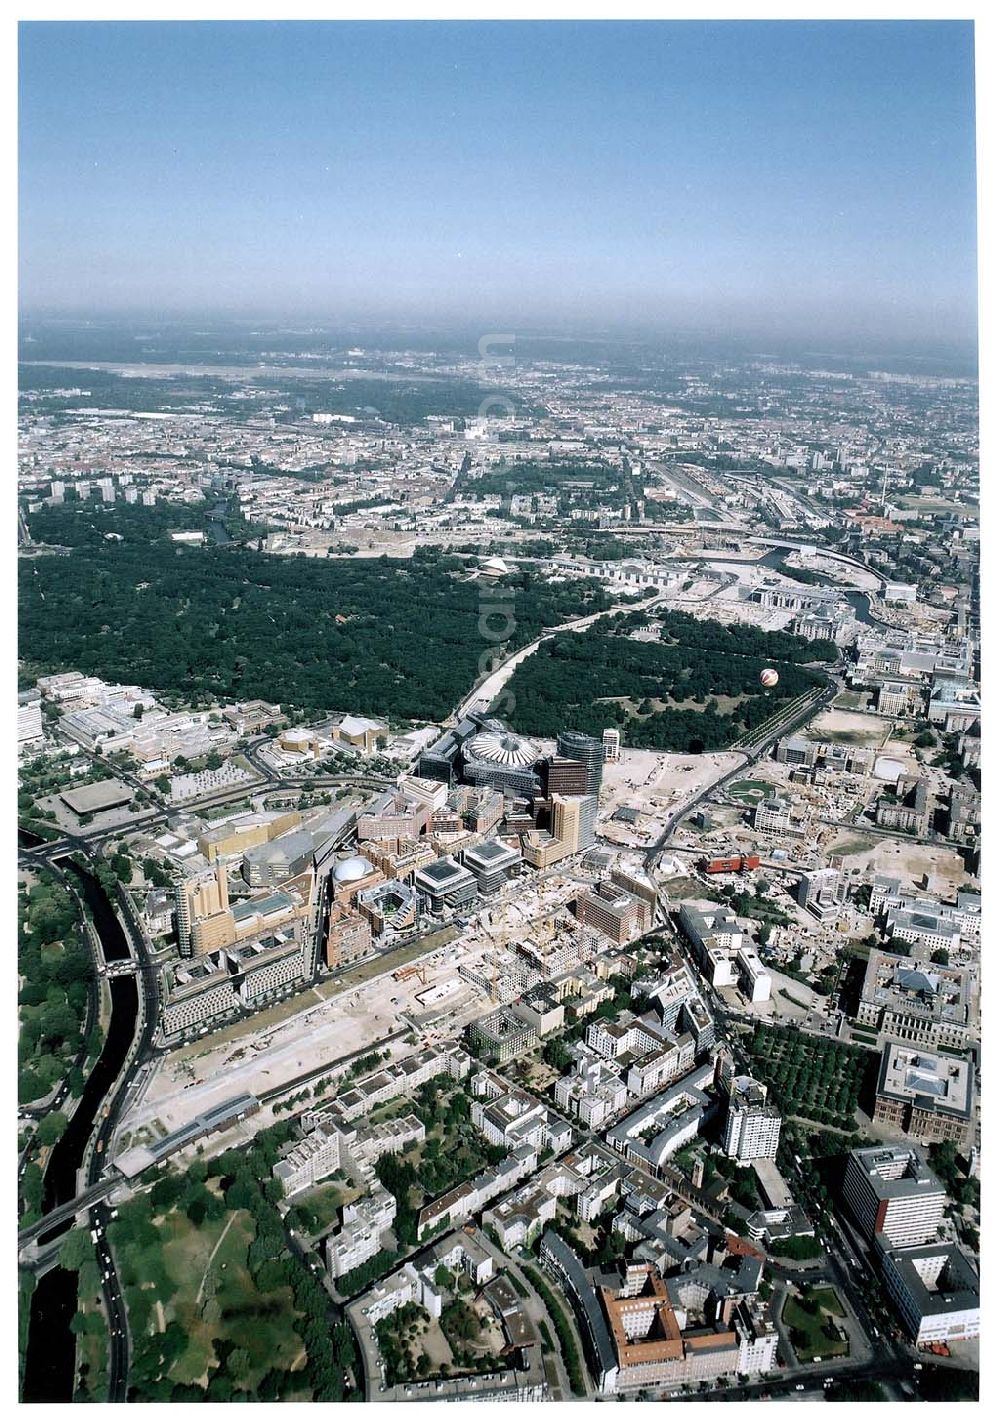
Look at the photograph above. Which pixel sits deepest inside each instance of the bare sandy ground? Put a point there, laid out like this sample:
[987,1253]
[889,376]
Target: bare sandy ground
[909,862]
[852,726]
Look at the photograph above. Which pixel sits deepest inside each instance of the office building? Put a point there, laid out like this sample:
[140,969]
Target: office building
[890,1190]
[501,1036]
[617,914]
[574,745]
[564,777]
[445,884]
[926,1095]
[935,1290]
[279,859]
[492,863]
[503,760]
[349,937]
[915,1001]
[389,906]
[772,816]
[392,817]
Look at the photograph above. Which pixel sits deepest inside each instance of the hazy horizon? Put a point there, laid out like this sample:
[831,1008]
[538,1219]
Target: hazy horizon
[769,181]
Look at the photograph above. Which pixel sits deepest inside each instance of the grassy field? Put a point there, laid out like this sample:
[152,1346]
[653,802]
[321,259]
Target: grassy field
[216,1299]
[813,1335]
[319,1208]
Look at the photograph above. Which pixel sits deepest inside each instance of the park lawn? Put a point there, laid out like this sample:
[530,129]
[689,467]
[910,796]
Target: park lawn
[817,1344]
[186,1252]
[230,1306]
[829,1300]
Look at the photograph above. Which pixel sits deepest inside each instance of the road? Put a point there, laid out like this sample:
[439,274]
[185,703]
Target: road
[488,686]
[114,1307]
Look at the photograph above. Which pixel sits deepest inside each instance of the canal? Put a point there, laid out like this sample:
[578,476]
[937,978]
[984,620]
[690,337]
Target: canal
[51,1351]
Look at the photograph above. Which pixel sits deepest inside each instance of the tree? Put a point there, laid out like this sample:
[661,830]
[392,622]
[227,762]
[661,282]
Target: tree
[196,1211]
[76,1250]
[51,1127]
[213,761]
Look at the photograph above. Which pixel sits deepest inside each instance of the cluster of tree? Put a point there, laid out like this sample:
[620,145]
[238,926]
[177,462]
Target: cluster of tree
[400,640]
[740,1179]
[397,401]
[154,873]
[554,476]
[399,1176]
[396,1335]
[814,1077]
[363,1065]
[604,1248]
[962,1187]
[798,1247]
[572,679]
[55,970]
[106,388]
[743,640]
[753,905]
[463,1152]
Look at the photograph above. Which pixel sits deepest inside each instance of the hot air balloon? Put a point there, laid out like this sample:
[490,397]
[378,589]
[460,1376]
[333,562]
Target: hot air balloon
[769,677]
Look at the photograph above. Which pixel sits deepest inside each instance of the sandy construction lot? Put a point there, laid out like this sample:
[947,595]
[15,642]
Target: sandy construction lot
[852,727]
[909,862]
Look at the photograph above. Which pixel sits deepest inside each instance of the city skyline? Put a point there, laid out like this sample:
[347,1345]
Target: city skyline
[786,180]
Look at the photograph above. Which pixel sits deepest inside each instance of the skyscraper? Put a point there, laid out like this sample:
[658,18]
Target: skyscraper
[574,745]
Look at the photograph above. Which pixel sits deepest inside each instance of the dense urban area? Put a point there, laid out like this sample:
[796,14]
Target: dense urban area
[498,891]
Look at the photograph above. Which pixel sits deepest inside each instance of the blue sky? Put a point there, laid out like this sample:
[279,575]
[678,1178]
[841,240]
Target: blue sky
[786,176]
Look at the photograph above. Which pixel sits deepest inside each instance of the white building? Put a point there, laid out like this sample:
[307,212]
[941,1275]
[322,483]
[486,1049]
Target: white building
[772,816]
[592,1091]
[754,979]
[29,724]
[360,1236]
[936,1291]
[753,1128]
